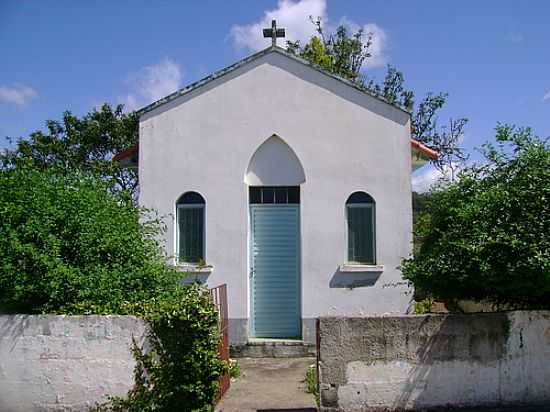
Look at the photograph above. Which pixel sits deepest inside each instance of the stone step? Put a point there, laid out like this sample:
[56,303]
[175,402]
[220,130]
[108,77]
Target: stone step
[273,348]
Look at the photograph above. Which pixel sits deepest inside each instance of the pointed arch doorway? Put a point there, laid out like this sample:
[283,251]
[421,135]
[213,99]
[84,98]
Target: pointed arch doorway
[274,176]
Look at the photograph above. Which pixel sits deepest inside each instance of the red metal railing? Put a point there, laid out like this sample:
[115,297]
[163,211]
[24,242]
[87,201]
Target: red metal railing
[219,297]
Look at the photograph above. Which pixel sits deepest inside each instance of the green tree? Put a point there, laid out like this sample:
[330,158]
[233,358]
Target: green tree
[344,54]
[339,52]
[69,244]
[487,235]
[85,144]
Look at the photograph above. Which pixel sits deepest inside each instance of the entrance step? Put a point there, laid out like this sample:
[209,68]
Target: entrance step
[273,348]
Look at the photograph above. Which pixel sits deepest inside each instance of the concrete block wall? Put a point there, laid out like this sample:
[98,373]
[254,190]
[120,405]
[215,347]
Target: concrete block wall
[397,363]
[65,363]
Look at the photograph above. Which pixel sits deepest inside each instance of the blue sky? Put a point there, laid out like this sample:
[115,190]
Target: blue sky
[492,57]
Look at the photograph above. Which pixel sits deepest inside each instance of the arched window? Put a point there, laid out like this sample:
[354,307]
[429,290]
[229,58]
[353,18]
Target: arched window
[190,227]
[360,215]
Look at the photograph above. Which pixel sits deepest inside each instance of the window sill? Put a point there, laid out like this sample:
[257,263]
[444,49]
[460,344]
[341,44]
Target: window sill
[352,268]
[194,268]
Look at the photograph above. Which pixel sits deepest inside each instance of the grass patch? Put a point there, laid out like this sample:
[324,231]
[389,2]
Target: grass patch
[234,369]
[424,306]
[311,382]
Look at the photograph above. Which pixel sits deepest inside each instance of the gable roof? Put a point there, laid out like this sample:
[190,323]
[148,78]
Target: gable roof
[130,154]
[249,59]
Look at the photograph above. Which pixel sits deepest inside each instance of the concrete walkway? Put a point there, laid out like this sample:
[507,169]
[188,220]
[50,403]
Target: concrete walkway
[269,384]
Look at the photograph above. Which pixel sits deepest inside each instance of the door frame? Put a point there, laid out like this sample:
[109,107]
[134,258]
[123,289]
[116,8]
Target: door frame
[250,278]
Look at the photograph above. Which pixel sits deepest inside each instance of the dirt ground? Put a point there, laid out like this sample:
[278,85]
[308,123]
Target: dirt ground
[269,384]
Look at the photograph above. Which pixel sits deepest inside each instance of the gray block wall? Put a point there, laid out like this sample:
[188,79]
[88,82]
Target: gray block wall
[65,363]
[422,362]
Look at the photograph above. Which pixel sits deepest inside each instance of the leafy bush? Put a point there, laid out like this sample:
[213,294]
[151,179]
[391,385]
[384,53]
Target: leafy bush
[181,369]
[487,236]
[69,245]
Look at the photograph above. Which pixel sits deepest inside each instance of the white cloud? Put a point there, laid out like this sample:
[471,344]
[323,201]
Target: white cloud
[378,46]
[294,17]
[152,83]
[17,94]
[546,96]
[515,37]
[130,103]
[428,176]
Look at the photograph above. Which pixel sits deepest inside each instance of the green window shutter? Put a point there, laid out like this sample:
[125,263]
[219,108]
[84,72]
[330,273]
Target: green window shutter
[361,234]
[191,233]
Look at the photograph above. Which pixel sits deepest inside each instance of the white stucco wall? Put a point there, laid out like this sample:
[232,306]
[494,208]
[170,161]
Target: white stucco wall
[345,140]
[65,363]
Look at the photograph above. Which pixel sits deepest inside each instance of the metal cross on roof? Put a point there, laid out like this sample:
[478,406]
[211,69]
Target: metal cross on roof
[274,32]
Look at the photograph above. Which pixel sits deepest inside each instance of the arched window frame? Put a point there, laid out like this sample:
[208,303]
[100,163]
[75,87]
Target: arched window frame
[190,245]
[361,210]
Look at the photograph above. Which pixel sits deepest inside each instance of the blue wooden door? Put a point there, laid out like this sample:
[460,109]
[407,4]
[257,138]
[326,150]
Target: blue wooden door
[275,270]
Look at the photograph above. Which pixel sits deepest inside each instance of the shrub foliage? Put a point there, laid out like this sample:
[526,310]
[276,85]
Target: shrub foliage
[69,245]
[487,236]
[180,371]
